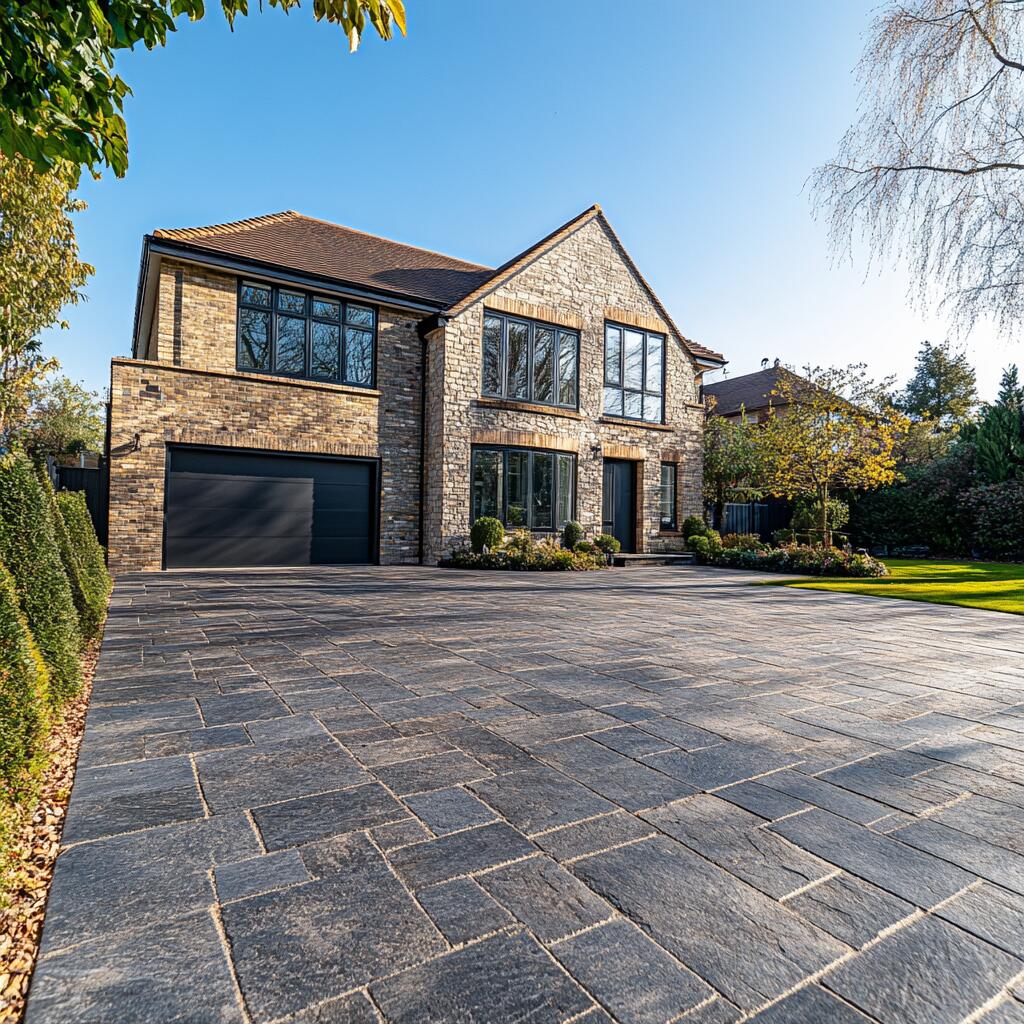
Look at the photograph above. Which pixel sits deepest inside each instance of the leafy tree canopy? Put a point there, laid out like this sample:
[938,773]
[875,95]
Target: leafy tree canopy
[826,430]
[40,273]
[60,99]
[943,389]
[731,462]
[65,419]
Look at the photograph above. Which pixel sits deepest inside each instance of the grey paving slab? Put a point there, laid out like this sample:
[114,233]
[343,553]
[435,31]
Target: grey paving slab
[630,975]
[504,978]
[550,901]
[929,973]
[404,794]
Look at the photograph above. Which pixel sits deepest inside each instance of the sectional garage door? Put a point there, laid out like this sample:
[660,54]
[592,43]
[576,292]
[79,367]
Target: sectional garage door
[230,509]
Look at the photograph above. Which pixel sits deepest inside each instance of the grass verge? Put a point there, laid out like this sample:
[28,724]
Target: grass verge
[995,586]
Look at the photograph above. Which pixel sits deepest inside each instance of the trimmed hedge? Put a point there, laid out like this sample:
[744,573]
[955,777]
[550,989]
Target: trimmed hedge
[23,696]
[70,560]
[92,566]
[29,549]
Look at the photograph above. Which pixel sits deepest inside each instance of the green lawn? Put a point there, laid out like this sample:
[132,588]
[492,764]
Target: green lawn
[992,585]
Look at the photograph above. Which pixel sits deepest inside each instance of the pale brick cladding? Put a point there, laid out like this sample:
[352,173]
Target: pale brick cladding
[188,392]
[579,281]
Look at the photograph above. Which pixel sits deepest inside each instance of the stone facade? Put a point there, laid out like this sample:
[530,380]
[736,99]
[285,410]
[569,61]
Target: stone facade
[186,390]
[579,283]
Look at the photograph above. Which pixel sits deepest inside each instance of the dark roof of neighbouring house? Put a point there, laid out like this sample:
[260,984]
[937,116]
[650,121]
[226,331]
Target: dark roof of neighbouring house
[305,245]
[320,248]
[750,392]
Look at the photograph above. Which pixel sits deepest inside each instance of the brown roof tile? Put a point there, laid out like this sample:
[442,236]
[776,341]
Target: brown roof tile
[317,247]
[750,391]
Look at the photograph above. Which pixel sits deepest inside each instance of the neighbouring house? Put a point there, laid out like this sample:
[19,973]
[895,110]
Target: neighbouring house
[746,398]
[304,393]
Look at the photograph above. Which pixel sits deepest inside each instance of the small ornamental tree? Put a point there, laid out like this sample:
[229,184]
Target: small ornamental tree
[826,430]
[28,547]
[23,685]
[731,462]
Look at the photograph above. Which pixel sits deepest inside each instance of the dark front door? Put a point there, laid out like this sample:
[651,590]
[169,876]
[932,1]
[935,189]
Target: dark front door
[234,509]
[619,502]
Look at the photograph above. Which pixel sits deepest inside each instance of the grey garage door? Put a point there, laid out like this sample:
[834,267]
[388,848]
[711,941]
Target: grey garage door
[226,508]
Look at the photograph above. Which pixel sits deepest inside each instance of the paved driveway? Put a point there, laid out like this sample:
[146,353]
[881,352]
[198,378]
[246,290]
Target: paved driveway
[647,795]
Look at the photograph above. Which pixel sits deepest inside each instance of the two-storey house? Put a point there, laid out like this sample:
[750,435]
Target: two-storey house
[302,393]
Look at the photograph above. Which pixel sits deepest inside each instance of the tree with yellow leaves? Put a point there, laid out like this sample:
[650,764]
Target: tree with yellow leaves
[828,429]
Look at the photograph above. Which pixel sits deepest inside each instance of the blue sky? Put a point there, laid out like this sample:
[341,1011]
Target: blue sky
[493,122]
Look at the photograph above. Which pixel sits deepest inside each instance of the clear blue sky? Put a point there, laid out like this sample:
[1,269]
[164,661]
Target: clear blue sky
[695,127]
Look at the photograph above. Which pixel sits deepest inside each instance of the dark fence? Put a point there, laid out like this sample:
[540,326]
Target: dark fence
[762,518]
[93,483]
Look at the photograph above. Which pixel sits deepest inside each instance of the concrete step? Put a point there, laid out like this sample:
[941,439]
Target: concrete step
[627,561]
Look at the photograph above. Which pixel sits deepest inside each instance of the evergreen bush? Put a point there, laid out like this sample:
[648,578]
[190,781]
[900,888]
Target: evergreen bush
[69,559]
[23,696]
[96,582]
[694,526]
[572,534]
[486,532]
[28,547]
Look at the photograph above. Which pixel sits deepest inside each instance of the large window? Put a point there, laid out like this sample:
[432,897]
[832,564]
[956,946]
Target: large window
[523,487]
[668,496]
[634,373]
[527,361]
[297,334]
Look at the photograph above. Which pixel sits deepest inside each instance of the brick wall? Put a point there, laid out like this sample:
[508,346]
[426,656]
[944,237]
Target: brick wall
[579,283]
[192,394]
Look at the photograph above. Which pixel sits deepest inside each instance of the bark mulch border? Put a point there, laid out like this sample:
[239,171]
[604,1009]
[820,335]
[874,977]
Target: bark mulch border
[23,898]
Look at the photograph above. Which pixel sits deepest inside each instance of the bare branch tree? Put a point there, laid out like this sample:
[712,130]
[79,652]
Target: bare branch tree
[931,171]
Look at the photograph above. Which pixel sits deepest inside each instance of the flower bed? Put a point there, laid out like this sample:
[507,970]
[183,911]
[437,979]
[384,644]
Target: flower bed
[521,552]
[796,558]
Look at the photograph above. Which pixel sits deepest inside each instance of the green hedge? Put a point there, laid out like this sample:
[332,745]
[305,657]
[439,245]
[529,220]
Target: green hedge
[794,558]
[70,560]
[88,554]
[29,549]
[23,695]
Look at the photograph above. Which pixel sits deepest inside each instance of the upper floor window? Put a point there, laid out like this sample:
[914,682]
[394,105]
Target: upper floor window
[634,373]
[298,334]
[528,361]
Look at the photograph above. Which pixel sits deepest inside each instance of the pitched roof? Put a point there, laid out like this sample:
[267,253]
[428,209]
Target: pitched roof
[750,391]
[309,246]
[317,247]
[514,265]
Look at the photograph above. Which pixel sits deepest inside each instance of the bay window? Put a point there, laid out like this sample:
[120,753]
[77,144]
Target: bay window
[293,333]
[528,361]
[634,373]
[523,487]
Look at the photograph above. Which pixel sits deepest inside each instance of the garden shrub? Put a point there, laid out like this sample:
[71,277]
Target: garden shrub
[998,517]
[89,617]
[486,532]
[524,554]
[807,515]
[743,541]
[607,543]
[694,526]
[96,582]
[28,547]
[586,547]
[802,559]
[700,546]
[572,534]
[23,696]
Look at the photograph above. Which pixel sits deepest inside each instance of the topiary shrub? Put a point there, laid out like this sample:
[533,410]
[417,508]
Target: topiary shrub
[586,547]
[694,526]
[700,546]
[95,579]
[486,532]
[572,534]
[607,543]
[23,696]
[28,547]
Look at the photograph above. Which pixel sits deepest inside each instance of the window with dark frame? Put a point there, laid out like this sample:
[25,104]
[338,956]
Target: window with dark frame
[293,333]
[634,373]
[669,520]
[530,361]
[523,487]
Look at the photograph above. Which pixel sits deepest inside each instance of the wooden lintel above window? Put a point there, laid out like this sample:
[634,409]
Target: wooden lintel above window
[524,439]
[548,314]
[631,319]
[623,451]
